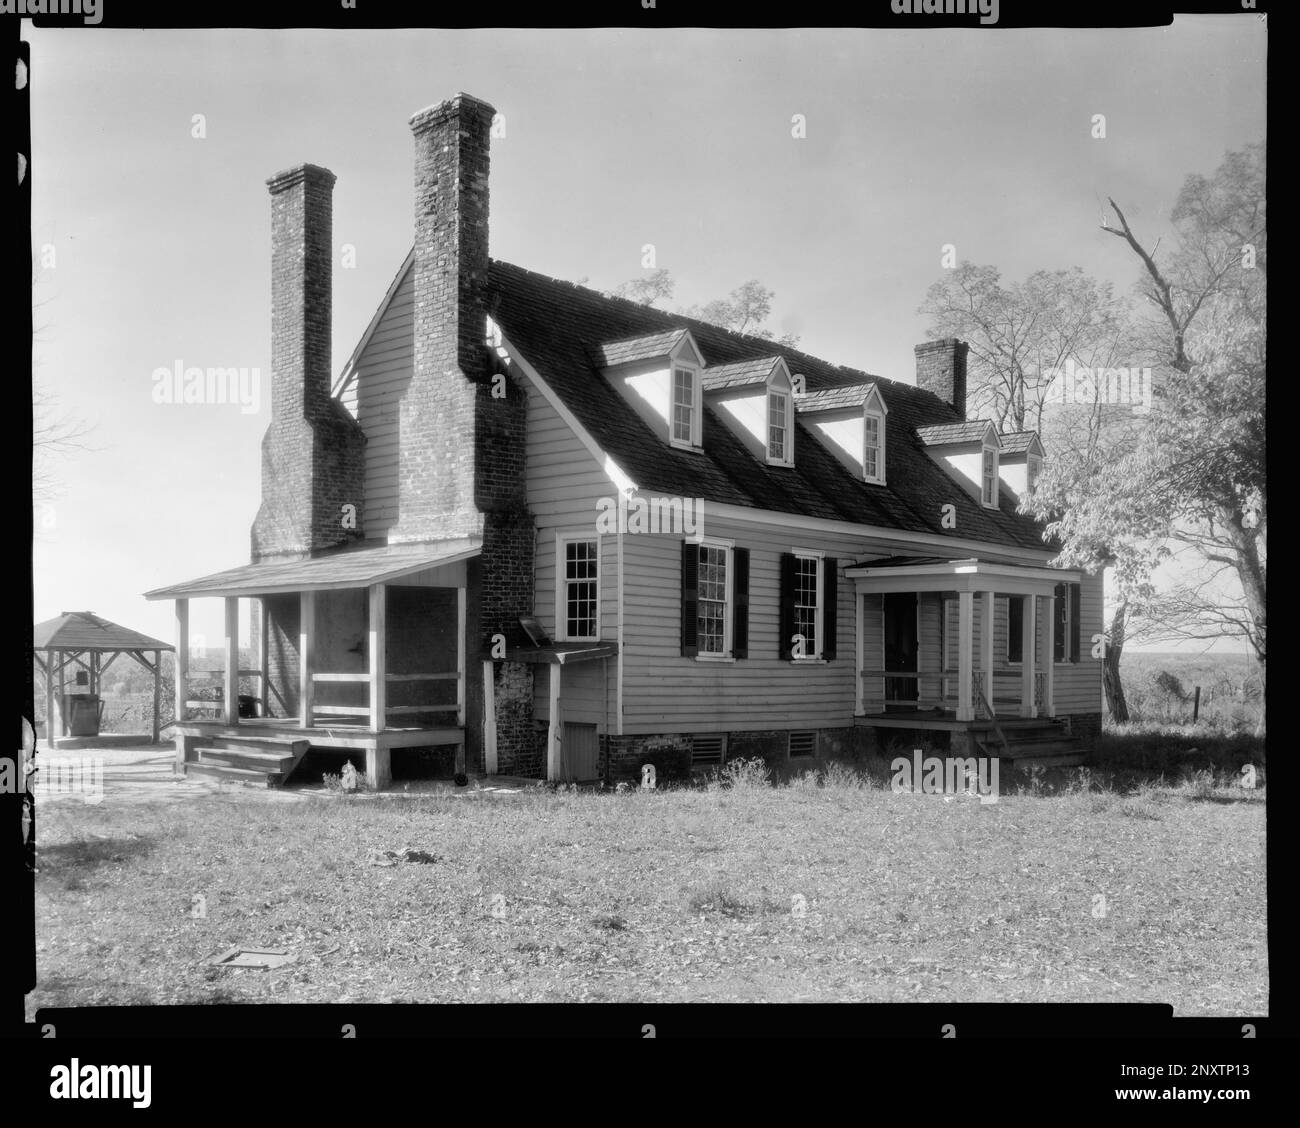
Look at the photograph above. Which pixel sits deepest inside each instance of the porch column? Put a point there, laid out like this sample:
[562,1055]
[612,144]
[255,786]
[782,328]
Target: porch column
[157,691]
[1049,660]
[460,676]
[553,732]
[306,658]
[965,645]
[49,698]
[264,654]
[378,664]
[860,707]
[182,672]
[986,648]
[489,721]
[1028,636]
[63,721]
[232,660]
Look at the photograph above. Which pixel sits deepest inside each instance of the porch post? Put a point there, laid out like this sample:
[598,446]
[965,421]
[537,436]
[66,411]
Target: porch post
[1049,660]
[489,721]
[264,654]
[861,707]
[986,649]
[63,721]
[182,671]
[232,660]
[1028,636]
[460,657]
[965,644]
[157,691]
[378,667]
[553,734]
[306,658]
[49,698]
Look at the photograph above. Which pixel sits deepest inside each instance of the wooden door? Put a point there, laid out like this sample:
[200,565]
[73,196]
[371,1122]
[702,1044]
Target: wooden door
[579,753]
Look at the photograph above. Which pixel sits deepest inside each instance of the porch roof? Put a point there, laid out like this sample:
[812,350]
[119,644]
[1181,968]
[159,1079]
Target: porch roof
[349,568]
[917,573]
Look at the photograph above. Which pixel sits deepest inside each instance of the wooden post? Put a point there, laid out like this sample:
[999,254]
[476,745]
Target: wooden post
[157,694]
[1049,660]
[965,645]
[306,657]
[1196,704]
[1028,635]
[860,707]
[554,747]
[232,660]
[49,699]
[489,720]
[986,648]
[460,660]
[63,720]
[263,655]
[182,671]
[378,658]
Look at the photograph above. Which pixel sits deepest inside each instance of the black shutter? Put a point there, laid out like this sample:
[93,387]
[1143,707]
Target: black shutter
[740,612]
[785,640]
[1075,592]
[690,599]
[1059,615]
[830,594]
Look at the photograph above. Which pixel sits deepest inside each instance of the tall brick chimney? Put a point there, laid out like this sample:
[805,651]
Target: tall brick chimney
[462,432]
[941,369]
[313,452]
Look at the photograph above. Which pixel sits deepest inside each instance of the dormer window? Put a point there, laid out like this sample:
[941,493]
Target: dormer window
[873,450]
[989,478]
[1033,467]
[780,430]
[686,407]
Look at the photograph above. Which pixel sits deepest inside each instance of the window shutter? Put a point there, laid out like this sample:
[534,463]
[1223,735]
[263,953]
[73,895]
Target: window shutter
[1059,614]
[830,593]
[690,599]
[740,611]
[785,641]
[1075,591]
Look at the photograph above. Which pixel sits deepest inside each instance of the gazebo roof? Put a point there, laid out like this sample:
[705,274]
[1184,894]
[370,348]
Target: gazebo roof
[84,630]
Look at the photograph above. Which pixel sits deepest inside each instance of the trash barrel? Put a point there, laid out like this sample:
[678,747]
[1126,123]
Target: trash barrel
[83,711]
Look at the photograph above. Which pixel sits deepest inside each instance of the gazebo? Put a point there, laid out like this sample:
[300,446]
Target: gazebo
[82,642]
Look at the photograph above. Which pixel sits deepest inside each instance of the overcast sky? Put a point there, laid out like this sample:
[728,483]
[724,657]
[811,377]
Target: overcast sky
[613,139]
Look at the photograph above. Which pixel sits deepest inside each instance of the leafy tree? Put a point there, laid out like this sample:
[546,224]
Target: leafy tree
[742,311]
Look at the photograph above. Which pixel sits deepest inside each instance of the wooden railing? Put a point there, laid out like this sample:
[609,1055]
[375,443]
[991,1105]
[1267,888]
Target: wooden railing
[389,710]
[938,689]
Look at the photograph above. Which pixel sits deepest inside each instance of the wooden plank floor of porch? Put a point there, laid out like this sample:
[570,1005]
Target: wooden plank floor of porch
[1027,741]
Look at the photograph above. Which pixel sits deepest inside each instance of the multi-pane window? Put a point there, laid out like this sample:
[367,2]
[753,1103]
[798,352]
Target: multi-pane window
[581,589]
[989,493]
[806,603]
[1033,467]
[683,405]
[712,613]
[778,433]
[873,462]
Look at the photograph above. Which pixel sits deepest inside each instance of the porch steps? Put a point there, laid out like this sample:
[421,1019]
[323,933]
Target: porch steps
[257,761]
[1030,743]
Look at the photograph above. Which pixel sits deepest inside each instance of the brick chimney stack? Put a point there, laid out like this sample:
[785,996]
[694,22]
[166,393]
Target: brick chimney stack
[941,369]
[313,451]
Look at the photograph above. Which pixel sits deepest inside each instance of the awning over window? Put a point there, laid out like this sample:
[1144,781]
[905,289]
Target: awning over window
[350,568]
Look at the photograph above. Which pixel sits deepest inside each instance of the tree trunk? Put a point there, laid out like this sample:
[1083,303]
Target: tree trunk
[1112,650]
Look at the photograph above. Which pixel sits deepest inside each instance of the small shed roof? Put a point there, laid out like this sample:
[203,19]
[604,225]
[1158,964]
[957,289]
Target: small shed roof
[84,630]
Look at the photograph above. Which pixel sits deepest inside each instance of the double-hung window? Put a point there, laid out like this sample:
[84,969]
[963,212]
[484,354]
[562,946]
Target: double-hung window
[578,613]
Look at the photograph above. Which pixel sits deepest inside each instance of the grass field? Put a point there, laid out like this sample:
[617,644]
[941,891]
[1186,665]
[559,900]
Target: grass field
[1095,889]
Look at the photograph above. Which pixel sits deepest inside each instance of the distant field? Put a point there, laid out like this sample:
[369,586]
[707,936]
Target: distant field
[1159,687]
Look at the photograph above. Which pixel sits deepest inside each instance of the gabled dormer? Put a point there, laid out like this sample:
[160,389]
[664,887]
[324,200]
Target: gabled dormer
[659,375]
[1020,461]
[755,398]
[851,422]
[969,452]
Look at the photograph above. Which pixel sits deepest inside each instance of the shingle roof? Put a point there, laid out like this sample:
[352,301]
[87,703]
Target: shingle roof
[558,327]
[834,399]
[1018,442]
[84,630]
[637,348]
[941,435]
[718,377]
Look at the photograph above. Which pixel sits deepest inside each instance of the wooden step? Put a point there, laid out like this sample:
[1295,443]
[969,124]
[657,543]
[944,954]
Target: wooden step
[233,775]
[280,745]
[243,758]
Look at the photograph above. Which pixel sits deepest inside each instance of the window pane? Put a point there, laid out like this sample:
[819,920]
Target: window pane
[871,460]
[683,404]
[776,425]
[990,477]
[712,625]
[805,602]
[581,589]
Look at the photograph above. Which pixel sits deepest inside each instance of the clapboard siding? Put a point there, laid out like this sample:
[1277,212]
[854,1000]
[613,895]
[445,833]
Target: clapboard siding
[587,694]
[383,371]
[1078,685]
